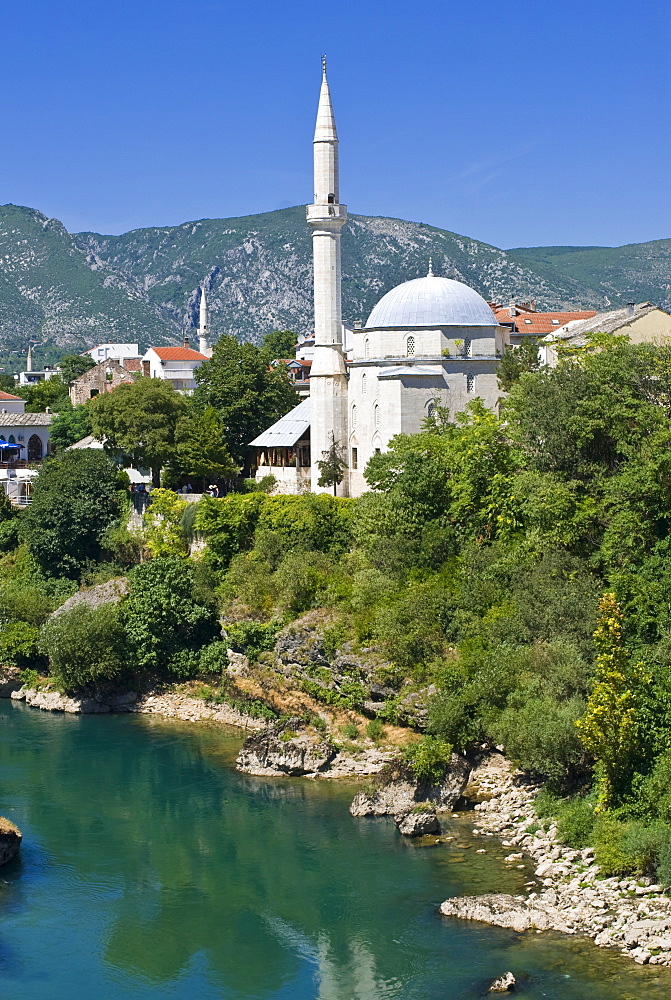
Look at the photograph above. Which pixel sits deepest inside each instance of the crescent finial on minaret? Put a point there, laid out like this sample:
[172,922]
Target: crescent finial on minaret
[324,63]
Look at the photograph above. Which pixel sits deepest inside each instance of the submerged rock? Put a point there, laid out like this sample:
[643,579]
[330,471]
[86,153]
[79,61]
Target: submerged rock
[503,983]
[10,840]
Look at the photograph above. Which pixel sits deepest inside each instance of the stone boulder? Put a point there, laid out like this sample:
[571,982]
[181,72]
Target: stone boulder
[271,752]
[54,701]
[400,794]
[417,823]
[10,681]
[503,984]
[109,592]
[10,840]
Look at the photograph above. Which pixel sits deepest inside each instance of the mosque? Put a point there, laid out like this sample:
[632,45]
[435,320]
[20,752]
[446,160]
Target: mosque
[429,341]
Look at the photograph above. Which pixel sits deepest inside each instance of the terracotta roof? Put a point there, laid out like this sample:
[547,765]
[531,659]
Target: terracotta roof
[178,354]
[539,323]
[132,364]
[8,395]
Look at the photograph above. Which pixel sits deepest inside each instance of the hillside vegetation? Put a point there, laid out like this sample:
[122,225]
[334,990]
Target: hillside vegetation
[73,291]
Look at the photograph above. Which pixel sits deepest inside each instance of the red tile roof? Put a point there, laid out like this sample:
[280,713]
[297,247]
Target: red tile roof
[540,323]
[8,395]
[178,354]
[132,364]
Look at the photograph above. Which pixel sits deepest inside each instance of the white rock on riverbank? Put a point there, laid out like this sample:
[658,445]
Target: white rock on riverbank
[630,914]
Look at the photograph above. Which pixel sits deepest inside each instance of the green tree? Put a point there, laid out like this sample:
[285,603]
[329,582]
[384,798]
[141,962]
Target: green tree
[516,361]
[201,449]
[611,729]
[162,520]
[84,645]
[139,419]
[279,344]
[162,617]
[247,392]
[8,384]
[51,393]
[75,498]
[332,465]
[74,365]
[70,426]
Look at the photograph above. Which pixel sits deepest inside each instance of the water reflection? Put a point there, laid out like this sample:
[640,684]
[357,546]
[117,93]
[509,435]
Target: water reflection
[152,869]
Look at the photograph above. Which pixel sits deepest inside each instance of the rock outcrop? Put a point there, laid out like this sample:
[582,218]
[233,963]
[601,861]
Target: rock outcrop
[10,840]
[401,793]
[502,910]
[10,681]
[418,823]
[503,984]
[274,752]
[54,701]
[109,592]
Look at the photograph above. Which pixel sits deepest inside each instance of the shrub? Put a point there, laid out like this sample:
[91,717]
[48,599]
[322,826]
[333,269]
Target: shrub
[610,847]
[84,645]
[161,616]
[428,758]
[540,735]
[18,643]
[162,521]
[351,731]
[214,658]
[375,730]
[9,534]
[575,823]
[252,638]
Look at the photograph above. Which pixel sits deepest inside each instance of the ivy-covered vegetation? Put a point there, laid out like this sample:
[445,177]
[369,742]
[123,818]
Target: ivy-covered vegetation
[514,568]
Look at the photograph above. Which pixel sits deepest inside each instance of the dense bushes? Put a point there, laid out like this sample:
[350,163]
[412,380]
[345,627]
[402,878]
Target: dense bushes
[85,645]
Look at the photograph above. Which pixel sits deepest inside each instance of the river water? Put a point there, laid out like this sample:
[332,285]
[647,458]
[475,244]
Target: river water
[151,869]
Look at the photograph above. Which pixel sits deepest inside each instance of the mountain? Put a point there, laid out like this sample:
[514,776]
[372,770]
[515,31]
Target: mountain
[73,290]
[638,272]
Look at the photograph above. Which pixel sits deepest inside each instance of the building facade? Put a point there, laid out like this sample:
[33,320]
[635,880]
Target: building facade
[430,341]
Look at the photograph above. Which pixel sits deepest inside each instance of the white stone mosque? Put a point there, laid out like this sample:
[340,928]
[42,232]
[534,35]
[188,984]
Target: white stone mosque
[430,340]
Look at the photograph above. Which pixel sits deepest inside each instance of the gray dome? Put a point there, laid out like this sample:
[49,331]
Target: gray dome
[431,301]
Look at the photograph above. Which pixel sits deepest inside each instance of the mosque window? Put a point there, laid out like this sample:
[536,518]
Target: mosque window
[353,417]
[376,415]
[364,386]
[410,346]
[355,458]
[467,347]
[470,382]
[366,348]
[331,199]
[431,410]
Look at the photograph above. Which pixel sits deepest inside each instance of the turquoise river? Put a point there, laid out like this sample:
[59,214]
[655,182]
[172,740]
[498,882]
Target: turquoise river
[151,869]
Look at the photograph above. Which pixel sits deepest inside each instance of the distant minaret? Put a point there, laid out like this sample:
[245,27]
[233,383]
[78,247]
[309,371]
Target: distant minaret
[29,359]
[326,217]
[203,330]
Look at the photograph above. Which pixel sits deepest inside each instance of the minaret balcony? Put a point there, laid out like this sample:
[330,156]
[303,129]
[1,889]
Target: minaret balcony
[326,215]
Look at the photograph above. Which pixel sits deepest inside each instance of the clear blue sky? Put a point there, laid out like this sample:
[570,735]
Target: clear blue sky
[519,123]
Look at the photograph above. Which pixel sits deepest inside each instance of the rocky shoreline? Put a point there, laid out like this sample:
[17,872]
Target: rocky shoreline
[631,914]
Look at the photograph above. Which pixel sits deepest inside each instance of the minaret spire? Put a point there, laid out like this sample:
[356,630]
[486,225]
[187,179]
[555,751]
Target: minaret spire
[326,217]
[203,328]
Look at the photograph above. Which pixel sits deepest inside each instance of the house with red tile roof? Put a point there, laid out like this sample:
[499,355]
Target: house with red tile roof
[522,320]
[174,364]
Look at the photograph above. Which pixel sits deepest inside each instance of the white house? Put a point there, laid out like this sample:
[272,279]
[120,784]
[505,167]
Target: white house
[28,434]
[114,352]
[174,364]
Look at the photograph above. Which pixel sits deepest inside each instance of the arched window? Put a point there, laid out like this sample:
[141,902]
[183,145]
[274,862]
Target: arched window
[376,415]
[34,448]
[366,348]
[431,409]
[364,386]
[353,416]
[410,346]
[467,347]
[11,439]
[470,382]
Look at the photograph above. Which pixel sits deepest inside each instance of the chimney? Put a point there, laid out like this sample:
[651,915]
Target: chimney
[358,325]
[186,343]
[630,310]
[533,305]
[513,310]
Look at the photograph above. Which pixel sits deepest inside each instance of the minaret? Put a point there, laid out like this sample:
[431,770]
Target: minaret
[29,359]
[203,330]
[326,217]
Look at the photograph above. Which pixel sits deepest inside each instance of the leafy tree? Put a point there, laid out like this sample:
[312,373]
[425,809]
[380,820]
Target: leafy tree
[611,729]
[139,419]
[161,616]
[84,645]
[201,449]
[247,392]
[74,365]
[8,384]
[279,344]
[51,393]
[70,426]
[162,524]
[516,361]
[75,498]
[332,465]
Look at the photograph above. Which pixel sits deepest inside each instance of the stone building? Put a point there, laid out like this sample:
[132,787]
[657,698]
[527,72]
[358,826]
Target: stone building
[430,340]
[642,323]
[98,380]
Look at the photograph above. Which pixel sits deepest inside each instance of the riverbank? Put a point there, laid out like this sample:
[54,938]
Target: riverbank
[568,894]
